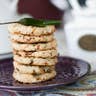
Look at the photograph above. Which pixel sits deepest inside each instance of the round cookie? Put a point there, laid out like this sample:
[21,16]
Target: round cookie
[17,28]
[29,78]
[32,69]
[34,47]
[39,54]
[31,39]
[35,61]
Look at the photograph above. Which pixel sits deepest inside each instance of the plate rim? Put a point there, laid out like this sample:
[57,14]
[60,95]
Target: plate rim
[45,87]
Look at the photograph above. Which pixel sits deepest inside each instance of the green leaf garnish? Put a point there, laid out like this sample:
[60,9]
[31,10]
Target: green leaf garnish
[39,23]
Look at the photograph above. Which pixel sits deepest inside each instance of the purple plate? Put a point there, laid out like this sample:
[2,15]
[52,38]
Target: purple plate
[69,70]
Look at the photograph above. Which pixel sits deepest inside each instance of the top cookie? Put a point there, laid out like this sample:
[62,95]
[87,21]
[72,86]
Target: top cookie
[17,28]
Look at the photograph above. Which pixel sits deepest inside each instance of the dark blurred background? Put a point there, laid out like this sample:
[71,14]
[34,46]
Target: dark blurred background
[40,9]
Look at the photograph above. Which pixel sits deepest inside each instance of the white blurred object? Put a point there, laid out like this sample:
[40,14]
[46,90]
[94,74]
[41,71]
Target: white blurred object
[4,56]
[61,4]
[8,12]
[82,22]
[89,10]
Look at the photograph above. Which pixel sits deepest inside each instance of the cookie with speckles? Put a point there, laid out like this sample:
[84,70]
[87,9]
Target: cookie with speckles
[17,28]
[31,39]
[27,69]
[34,47]
[29,78]
[36,61]
[39,54]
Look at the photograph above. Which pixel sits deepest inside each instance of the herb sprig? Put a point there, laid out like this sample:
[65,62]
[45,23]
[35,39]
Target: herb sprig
[35,22]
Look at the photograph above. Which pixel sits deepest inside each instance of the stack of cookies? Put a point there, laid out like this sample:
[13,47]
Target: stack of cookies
[35,53]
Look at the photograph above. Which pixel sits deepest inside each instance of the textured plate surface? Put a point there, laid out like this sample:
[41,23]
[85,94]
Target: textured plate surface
[68,71]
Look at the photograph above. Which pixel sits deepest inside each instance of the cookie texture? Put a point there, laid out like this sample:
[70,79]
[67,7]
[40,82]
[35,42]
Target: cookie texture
[34,52]
[31,39]
[29,78]
[34,47]
[32,69]
[36,61]
[39,54]
[17,28]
